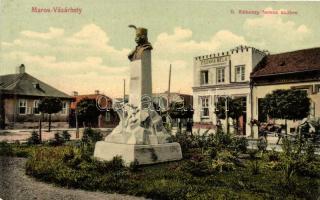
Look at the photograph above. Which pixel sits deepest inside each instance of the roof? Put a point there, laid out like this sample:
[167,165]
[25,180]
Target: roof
[26,85]
[102,101]
[289,62]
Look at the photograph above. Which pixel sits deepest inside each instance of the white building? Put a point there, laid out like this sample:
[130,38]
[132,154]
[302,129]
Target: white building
[223,74]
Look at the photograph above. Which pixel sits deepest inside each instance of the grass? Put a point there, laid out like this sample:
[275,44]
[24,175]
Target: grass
[67,166]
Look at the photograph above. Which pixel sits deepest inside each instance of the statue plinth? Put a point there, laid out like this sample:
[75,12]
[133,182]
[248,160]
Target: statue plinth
[140,135]
[141,80]
[142,154]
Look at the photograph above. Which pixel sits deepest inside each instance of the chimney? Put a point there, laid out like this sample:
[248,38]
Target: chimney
[22,69]
[96,92]
[75,93]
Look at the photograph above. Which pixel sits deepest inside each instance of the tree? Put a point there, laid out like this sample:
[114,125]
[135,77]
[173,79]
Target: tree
[50,105]
[287,104]
[235,109]
[88,112]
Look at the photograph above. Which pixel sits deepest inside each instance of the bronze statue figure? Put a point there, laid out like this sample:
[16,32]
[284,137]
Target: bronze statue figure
[142,43]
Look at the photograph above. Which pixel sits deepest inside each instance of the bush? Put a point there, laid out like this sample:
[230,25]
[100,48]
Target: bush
[58,140]
[292,159]
[91,136]
[198,166]
[190,141]
[273,155]
[134,166]
[224,161]
[240,144]
[254,167]
[311,169]
[222,139]
[262,144]
[34,139]
[66,135]
[310,152]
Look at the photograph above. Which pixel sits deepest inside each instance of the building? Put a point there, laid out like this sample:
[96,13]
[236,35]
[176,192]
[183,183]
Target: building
[20,95]
[219,75]
[250,74]
[290,70]
[107,118]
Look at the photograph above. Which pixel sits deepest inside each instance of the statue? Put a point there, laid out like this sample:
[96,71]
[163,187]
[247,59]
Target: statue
[140,136]
[142,43]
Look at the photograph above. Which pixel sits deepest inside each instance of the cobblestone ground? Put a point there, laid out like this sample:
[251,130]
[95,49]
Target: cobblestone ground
[15,185]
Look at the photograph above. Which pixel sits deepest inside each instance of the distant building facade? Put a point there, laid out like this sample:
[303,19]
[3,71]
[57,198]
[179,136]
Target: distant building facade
[20,95]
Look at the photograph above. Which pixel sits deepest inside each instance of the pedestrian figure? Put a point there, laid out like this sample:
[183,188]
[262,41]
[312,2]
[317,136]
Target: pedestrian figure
[263,130]
[281,133]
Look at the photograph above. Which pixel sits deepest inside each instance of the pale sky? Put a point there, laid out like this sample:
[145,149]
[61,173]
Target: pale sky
[88,51]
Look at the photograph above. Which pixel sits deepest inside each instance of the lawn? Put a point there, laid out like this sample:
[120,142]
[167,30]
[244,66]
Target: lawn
[212,168]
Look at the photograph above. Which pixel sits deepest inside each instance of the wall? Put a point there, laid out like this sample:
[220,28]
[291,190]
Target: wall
[12,117]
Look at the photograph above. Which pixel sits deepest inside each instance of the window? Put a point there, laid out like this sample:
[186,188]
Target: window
[22,106]
[108,116]
[312,109]
[240,73]
[317,88]
[204,77]
[220,75]
[205,107]
[36,107]
[64,108]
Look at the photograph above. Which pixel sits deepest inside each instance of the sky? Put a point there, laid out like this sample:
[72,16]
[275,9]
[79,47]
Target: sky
[87,51]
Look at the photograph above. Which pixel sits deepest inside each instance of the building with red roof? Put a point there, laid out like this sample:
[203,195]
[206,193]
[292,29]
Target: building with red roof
[289,70]
[107,117]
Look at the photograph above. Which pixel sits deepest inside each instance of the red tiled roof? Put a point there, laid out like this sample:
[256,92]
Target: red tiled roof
[289,62]
[78,98]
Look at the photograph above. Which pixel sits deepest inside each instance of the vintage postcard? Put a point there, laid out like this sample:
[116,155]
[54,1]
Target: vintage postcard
[168,99]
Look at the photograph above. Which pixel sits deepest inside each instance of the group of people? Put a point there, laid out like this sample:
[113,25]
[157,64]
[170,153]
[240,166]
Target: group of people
[268,128]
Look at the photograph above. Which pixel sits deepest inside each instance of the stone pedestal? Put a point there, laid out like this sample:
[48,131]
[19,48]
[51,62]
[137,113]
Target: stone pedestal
[141,81]
[143,154]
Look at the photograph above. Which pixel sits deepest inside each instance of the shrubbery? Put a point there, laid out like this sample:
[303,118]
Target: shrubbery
[197,178]
[34,139]
[66,135]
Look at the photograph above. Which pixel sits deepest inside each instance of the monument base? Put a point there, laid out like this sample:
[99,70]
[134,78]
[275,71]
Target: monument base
[144,154]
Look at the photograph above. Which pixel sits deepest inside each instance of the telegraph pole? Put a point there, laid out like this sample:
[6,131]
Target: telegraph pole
[124,96]
[169,87]
[227,120]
